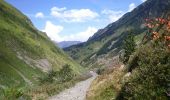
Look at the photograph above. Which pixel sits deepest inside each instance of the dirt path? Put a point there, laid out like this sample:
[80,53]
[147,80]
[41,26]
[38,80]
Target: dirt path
[78,92]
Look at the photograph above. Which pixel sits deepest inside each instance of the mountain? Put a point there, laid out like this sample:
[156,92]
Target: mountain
[145,76]
[65,44]
[25,52]
[99,50]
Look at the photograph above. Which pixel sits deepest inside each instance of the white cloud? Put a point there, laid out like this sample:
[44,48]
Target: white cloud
[39,15]
[58,9]
[53,31]
[143,0]
[73,15]
[131,7]
[81,36]
[79,15]
[113,15]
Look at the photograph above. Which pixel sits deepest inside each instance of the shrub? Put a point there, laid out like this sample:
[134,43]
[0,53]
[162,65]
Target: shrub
[49,78]
[129,47]
[100,70]
[66,73]
[150,65]
[12,93]
[150,79]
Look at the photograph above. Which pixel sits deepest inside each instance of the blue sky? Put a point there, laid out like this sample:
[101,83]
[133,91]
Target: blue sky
[73,20]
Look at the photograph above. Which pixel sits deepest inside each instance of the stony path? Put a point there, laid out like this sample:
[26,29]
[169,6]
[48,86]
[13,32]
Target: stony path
[78,92]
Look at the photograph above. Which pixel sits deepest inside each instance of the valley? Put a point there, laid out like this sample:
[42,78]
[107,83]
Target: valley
[129,59]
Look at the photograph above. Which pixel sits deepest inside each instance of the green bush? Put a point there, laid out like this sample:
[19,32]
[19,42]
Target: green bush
[100,70]
[12,93]
[128,46]
[49,78]
[66,73]
[150,74]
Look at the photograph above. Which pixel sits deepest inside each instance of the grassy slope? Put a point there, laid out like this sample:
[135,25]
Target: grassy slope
[18,35]
[107,85]
[146,81]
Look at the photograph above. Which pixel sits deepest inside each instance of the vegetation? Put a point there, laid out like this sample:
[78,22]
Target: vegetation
[109,40]
[128,47]
[150,78]
[150,71]
[100,71]
[22,47]
[146,73]
[23,51]
[43,91]
[53,83]
[64,75]
[49,78]
[107,85]
[12,93]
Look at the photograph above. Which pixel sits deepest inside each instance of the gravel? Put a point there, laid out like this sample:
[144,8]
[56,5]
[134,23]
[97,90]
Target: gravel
[78,92]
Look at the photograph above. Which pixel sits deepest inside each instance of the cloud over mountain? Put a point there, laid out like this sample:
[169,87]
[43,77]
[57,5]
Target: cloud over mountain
[53,32]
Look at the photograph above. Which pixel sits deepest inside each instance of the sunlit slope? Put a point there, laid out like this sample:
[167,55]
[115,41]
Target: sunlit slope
[25,52]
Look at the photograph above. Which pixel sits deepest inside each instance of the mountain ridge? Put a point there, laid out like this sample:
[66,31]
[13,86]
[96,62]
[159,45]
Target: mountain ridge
[65,44]
[107,41]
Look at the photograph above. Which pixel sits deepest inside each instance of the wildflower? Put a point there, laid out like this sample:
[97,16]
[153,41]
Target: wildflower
[146,19]
[167,38]
[169,45]
[157,19]
[169,24]
[157,24]
[168,28]
[155,35]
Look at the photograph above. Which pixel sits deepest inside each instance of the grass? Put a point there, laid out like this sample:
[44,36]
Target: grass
[106,86]
[46,90]
[43,91]
[18,36]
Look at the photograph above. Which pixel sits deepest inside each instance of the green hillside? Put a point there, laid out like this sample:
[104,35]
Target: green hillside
[145,75]
[25,52]
[106,43]
[142,71]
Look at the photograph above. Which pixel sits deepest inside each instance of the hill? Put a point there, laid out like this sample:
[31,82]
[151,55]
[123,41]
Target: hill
[25,52]
[99,50]
[145,75]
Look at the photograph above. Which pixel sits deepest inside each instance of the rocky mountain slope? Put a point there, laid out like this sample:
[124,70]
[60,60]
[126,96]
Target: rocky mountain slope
[106,43]
[26,53]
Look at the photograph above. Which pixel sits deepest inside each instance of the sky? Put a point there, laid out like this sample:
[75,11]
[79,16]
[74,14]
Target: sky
[73,20]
